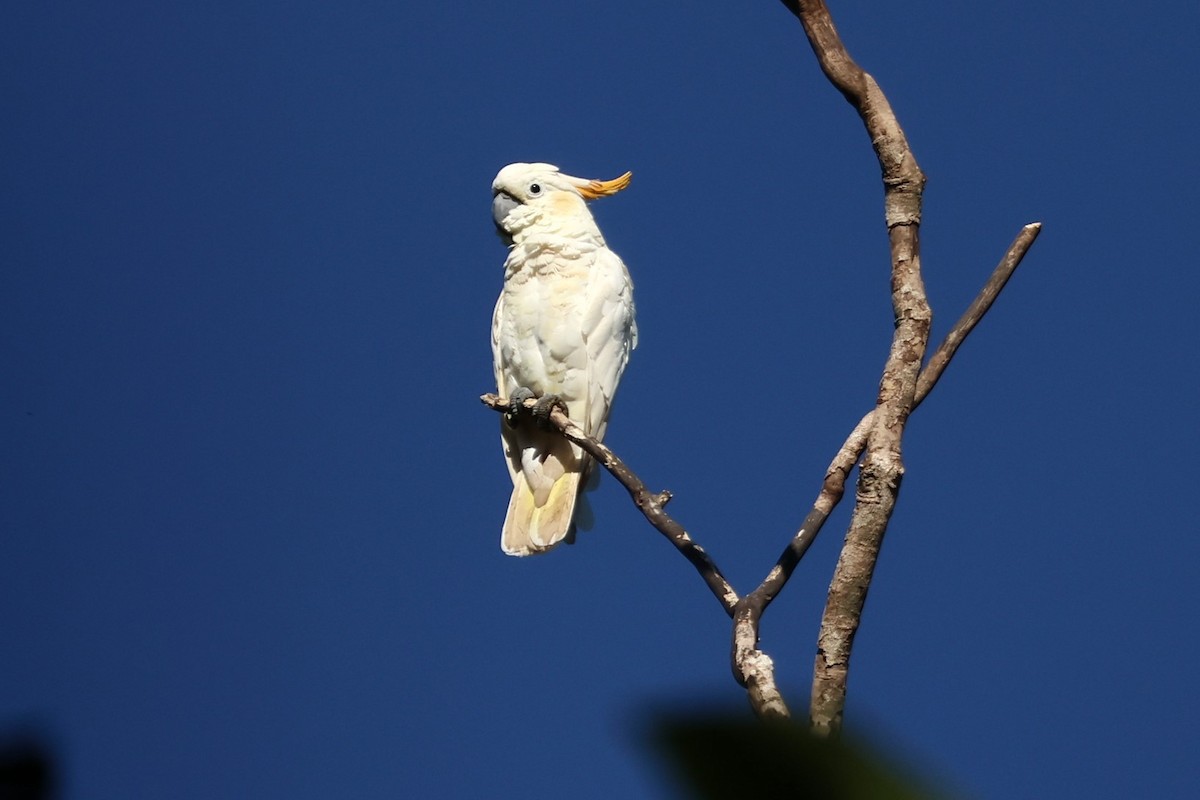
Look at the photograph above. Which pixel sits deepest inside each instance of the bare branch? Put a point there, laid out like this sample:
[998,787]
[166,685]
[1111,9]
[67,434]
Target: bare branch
[979,306]
[882,467]
[748,617]
[878,485]
[834,485]
[752,668]
[755,670]
[651,505]
[902,178]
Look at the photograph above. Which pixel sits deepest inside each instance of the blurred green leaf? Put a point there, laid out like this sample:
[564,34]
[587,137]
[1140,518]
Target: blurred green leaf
[727,757]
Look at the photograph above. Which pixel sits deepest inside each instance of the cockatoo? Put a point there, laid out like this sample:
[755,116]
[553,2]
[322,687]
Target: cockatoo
[563,330]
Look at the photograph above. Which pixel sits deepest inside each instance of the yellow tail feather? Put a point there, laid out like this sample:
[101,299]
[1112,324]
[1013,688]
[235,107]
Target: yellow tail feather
[530,528]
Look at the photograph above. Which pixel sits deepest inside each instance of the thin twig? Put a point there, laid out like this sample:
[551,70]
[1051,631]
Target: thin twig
[650,504]
[979,306]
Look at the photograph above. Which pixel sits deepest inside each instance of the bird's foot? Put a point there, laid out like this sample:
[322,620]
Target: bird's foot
[516,404]
[545,406]
[541,410]
[516,400]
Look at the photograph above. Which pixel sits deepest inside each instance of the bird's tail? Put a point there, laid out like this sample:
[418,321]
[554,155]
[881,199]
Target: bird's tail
[530,527]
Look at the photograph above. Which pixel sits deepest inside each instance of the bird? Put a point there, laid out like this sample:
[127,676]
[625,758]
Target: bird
[562,332]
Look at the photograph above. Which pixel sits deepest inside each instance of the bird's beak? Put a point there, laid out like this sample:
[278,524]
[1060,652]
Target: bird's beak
[502,203]
[593,189]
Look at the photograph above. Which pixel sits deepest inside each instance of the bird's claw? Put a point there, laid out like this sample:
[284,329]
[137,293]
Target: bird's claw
[541,410]
[516,404]
[516,401]
[545,406]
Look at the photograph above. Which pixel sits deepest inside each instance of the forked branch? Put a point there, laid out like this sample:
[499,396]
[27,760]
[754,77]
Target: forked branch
[834,485]
[882,468]
[749,614]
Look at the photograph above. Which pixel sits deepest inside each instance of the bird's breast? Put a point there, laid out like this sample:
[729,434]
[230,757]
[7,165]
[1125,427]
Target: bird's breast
[541,336]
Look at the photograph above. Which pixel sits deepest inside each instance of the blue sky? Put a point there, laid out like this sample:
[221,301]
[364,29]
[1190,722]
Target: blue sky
[250,504]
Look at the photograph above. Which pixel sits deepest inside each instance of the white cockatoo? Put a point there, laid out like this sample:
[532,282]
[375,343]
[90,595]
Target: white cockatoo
[563,329]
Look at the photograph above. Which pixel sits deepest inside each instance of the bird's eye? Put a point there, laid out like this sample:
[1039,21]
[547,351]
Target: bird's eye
[535,188]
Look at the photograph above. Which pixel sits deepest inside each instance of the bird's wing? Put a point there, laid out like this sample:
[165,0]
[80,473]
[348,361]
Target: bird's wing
[610,333]
[512,452]
[496,367]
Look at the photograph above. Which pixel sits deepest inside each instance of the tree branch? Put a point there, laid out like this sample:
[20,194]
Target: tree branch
[752,668]
[750,611]
[852,576]
[651,505]
[979,306]
[882,467]
[901,386]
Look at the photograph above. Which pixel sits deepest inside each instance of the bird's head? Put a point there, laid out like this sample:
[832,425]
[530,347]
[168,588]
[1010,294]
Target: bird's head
[525,196]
